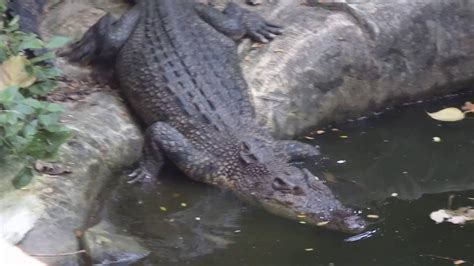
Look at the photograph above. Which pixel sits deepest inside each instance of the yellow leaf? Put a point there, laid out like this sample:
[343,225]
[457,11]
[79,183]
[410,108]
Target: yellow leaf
[450,114]
[13,73]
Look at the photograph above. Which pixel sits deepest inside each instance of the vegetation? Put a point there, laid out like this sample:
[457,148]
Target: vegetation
[29,126]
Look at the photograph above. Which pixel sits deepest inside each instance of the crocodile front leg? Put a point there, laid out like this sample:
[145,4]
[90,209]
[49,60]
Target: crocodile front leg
[236,23]
[161,138]
[102,42]
[295,150]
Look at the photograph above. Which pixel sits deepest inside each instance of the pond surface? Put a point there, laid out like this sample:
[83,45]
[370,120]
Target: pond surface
[387,165]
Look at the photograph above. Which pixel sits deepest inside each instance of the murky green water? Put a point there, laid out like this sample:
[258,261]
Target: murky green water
[382,155]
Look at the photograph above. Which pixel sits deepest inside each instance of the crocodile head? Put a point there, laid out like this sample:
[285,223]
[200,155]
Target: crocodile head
[288,191]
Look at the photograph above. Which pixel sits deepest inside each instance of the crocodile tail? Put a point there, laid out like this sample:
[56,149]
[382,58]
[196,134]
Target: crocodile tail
[30,12]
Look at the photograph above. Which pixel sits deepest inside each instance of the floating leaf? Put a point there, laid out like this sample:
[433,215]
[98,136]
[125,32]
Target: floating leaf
[450,114]
[436,139]
[13,73]
[460,216]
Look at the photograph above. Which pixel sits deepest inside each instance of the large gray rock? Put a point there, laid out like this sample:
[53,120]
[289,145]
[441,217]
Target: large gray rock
[42,218]
[337,58]
[342,58]
[105,246]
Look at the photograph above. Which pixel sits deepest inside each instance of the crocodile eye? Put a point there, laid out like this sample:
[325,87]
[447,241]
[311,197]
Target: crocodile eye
[280,185]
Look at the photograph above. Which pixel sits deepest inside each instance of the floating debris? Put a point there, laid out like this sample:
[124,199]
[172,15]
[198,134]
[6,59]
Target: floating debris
[460,216]
[309,249]
[308,137]
[197,218]
[344,137]
[182,204]
[436,139]
[394,194]
[322,223]
[319,132]
[450,114]
[468,107]
[373,216]
[302,222]
[341,161]
[163,209]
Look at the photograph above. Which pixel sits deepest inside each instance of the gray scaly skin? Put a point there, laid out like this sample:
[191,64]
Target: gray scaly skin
[177,66]
[29,12]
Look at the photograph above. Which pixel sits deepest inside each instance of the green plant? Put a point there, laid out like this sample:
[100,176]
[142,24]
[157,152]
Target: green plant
[29,127]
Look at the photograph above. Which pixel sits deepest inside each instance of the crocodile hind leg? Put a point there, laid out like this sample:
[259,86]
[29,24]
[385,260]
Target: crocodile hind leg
[236,23]
[295,150]
[161,138]
[101,43]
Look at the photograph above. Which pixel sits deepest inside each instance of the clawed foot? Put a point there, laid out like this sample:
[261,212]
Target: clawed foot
[145,172]
[138,175]
[260,30]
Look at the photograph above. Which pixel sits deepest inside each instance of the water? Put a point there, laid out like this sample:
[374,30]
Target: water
[382,155]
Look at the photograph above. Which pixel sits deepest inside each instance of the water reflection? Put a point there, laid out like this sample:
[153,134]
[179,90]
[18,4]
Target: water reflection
[395,155]
[179,218]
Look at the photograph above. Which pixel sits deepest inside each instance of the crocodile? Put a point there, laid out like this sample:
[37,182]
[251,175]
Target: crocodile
[29,12]
[176,64]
